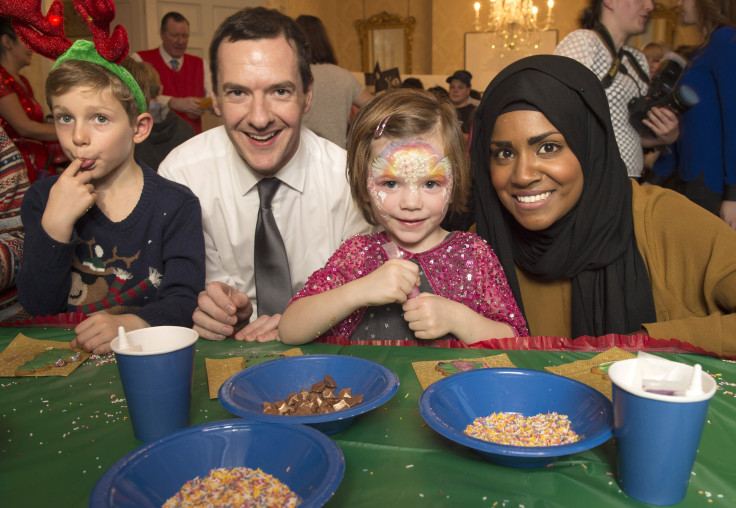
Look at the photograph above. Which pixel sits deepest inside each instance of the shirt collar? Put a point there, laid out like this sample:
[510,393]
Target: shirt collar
[292,174]
[168,58]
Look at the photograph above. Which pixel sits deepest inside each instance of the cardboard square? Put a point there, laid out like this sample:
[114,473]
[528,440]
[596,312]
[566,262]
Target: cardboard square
[593,371]
[430,371]
[23,349]
[220,370]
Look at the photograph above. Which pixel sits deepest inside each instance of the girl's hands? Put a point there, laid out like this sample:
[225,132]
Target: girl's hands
[391,283]
[429,316]
[70,197]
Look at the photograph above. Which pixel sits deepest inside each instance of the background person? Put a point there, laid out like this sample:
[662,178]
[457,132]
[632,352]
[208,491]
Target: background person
[262,86]
[586,250]
[185,78]
[704,157]
[168,131]
[21,116]
[654,51]
[606,27]
[13,186]
[460,87]
[334,90]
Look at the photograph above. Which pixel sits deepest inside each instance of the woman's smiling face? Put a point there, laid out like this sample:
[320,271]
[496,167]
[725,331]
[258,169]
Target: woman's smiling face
[536,175]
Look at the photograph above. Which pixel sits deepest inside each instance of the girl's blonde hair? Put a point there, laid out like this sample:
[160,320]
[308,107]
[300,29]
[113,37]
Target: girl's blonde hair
[411,113]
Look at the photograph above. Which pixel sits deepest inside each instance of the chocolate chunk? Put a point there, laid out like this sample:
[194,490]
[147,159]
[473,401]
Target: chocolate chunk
[270,408]
[354,400]
[323,397]
[318,387]
[340,405]
[330,382]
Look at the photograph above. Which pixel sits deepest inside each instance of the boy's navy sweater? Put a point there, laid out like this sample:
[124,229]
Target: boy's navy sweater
[150,264]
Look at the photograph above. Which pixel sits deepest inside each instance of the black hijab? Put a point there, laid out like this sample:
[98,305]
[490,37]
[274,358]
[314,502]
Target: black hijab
[594,243]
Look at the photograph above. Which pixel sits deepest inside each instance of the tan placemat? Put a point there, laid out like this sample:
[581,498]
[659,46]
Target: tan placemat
[594,371]
[430,371]
[23,349]
[219,370]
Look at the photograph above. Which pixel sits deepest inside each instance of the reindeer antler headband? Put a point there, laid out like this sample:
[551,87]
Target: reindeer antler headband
[45,36]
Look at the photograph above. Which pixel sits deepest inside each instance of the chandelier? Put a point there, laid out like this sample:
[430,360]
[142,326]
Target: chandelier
[512,24]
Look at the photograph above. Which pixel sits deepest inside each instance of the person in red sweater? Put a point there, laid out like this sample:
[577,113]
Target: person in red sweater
[184,77]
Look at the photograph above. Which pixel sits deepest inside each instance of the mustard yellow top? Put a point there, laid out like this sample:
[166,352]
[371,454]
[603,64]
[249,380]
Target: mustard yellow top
[690,256]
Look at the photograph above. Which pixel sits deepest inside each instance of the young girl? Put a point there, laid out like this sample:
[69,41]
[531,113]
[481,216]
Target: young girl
[414,280]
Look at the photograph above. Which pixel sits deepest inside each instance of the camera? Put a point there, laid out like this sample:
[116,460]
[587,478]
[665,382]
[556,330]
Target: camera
[664,91]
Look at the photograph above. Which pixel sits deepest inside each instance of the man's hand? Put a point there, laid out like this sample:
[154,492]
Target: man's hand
[189,105]
[222,311]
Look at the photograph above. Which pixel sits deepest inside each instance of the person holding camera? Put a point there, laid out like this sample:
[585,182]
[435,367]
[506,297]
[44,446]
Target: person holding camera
[623,71]
[704,157]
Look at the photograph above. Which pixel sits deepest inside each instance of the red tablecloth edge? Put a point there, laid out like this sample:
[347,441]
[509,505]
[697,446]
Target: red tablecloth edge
[67,320]
[636,342]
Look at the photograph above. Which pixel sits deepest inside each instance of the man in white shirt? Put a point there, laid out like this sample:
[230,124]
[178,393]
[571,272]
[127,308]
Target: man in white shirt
[261,88]
[185,78]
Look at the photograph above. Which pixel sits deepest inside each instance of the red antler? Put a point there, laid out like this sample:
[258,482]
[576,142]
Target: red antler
[98,14]
[43,34]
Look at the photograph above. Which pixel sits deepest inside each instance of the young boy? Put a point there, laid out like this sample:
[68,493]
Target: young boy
[108,237]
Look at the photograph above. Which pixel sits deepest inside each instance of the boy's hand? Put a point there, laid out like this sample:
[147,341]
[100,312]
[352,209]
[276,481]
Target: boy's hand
[221,312]
[429,316]
[393,282]
[95,333]
[70,197]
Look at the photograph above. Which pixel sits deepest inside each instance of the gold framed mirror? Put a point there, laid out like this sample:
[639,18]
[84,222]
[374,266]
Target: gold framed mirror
[386,39]
[661,27]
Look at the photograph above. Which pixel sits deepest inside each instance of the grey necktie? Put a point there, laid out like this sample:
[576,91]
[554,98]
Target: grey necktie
[273,282]
[174,64]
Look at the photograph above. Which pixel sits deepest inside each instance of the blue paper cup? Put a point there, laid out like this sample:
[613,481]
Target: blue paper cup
[657,436]
[156,372]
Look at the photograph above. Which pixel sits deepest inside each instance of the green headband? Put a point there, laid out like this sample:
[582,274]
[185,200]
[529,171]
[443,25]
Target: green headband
[85,51]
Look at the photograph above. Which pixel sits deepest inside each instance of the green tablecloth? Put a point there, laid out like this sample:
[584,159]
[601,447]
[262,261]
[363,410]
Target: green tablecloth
[58,435]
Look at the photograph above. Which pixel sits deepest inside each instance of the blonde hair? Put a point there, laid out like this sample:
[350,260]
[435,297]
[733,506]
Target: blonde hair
[73,73]
[412,113]
[147,77]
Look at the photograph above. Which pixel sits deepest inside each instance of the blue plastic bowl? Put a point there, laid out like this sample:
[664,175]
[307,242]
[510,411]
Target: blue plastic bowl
[309,462]
[245,392]
[451,404]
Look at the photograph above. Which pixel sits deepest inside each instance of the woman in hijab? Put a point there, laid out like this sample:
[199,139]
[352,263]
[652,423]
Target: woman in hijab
[586,250]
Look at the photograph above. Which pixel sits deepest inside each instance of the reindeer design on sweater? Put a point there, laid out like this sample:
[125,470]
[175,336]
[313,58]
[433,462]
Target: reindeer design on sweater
[90,290]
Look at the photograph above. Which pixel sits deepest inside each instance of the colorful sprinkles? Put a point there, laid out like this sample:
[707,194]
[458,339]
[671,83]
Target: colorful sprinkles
[240,486]
[550,429]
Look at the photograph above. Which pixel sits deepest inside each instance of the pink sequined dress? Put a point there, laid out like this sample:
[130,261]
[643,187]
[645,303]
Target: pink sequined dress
[462,268]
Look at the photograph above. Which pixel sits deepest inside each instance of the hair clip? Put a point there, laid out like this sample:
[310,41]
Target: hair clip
[379,128]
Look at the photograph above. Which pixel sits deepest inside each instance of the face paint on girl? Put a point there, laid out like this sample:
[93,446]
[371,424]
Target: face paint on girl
[410,185]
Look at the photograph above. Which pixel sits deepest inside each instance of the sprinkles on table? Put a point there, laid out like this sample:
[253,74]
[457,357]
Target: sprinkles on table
[240,486]
[550,429]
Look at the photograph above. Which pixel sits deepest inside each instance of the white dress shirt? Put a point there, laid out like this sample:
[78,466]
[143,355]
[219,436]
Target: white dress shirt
[313,207]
